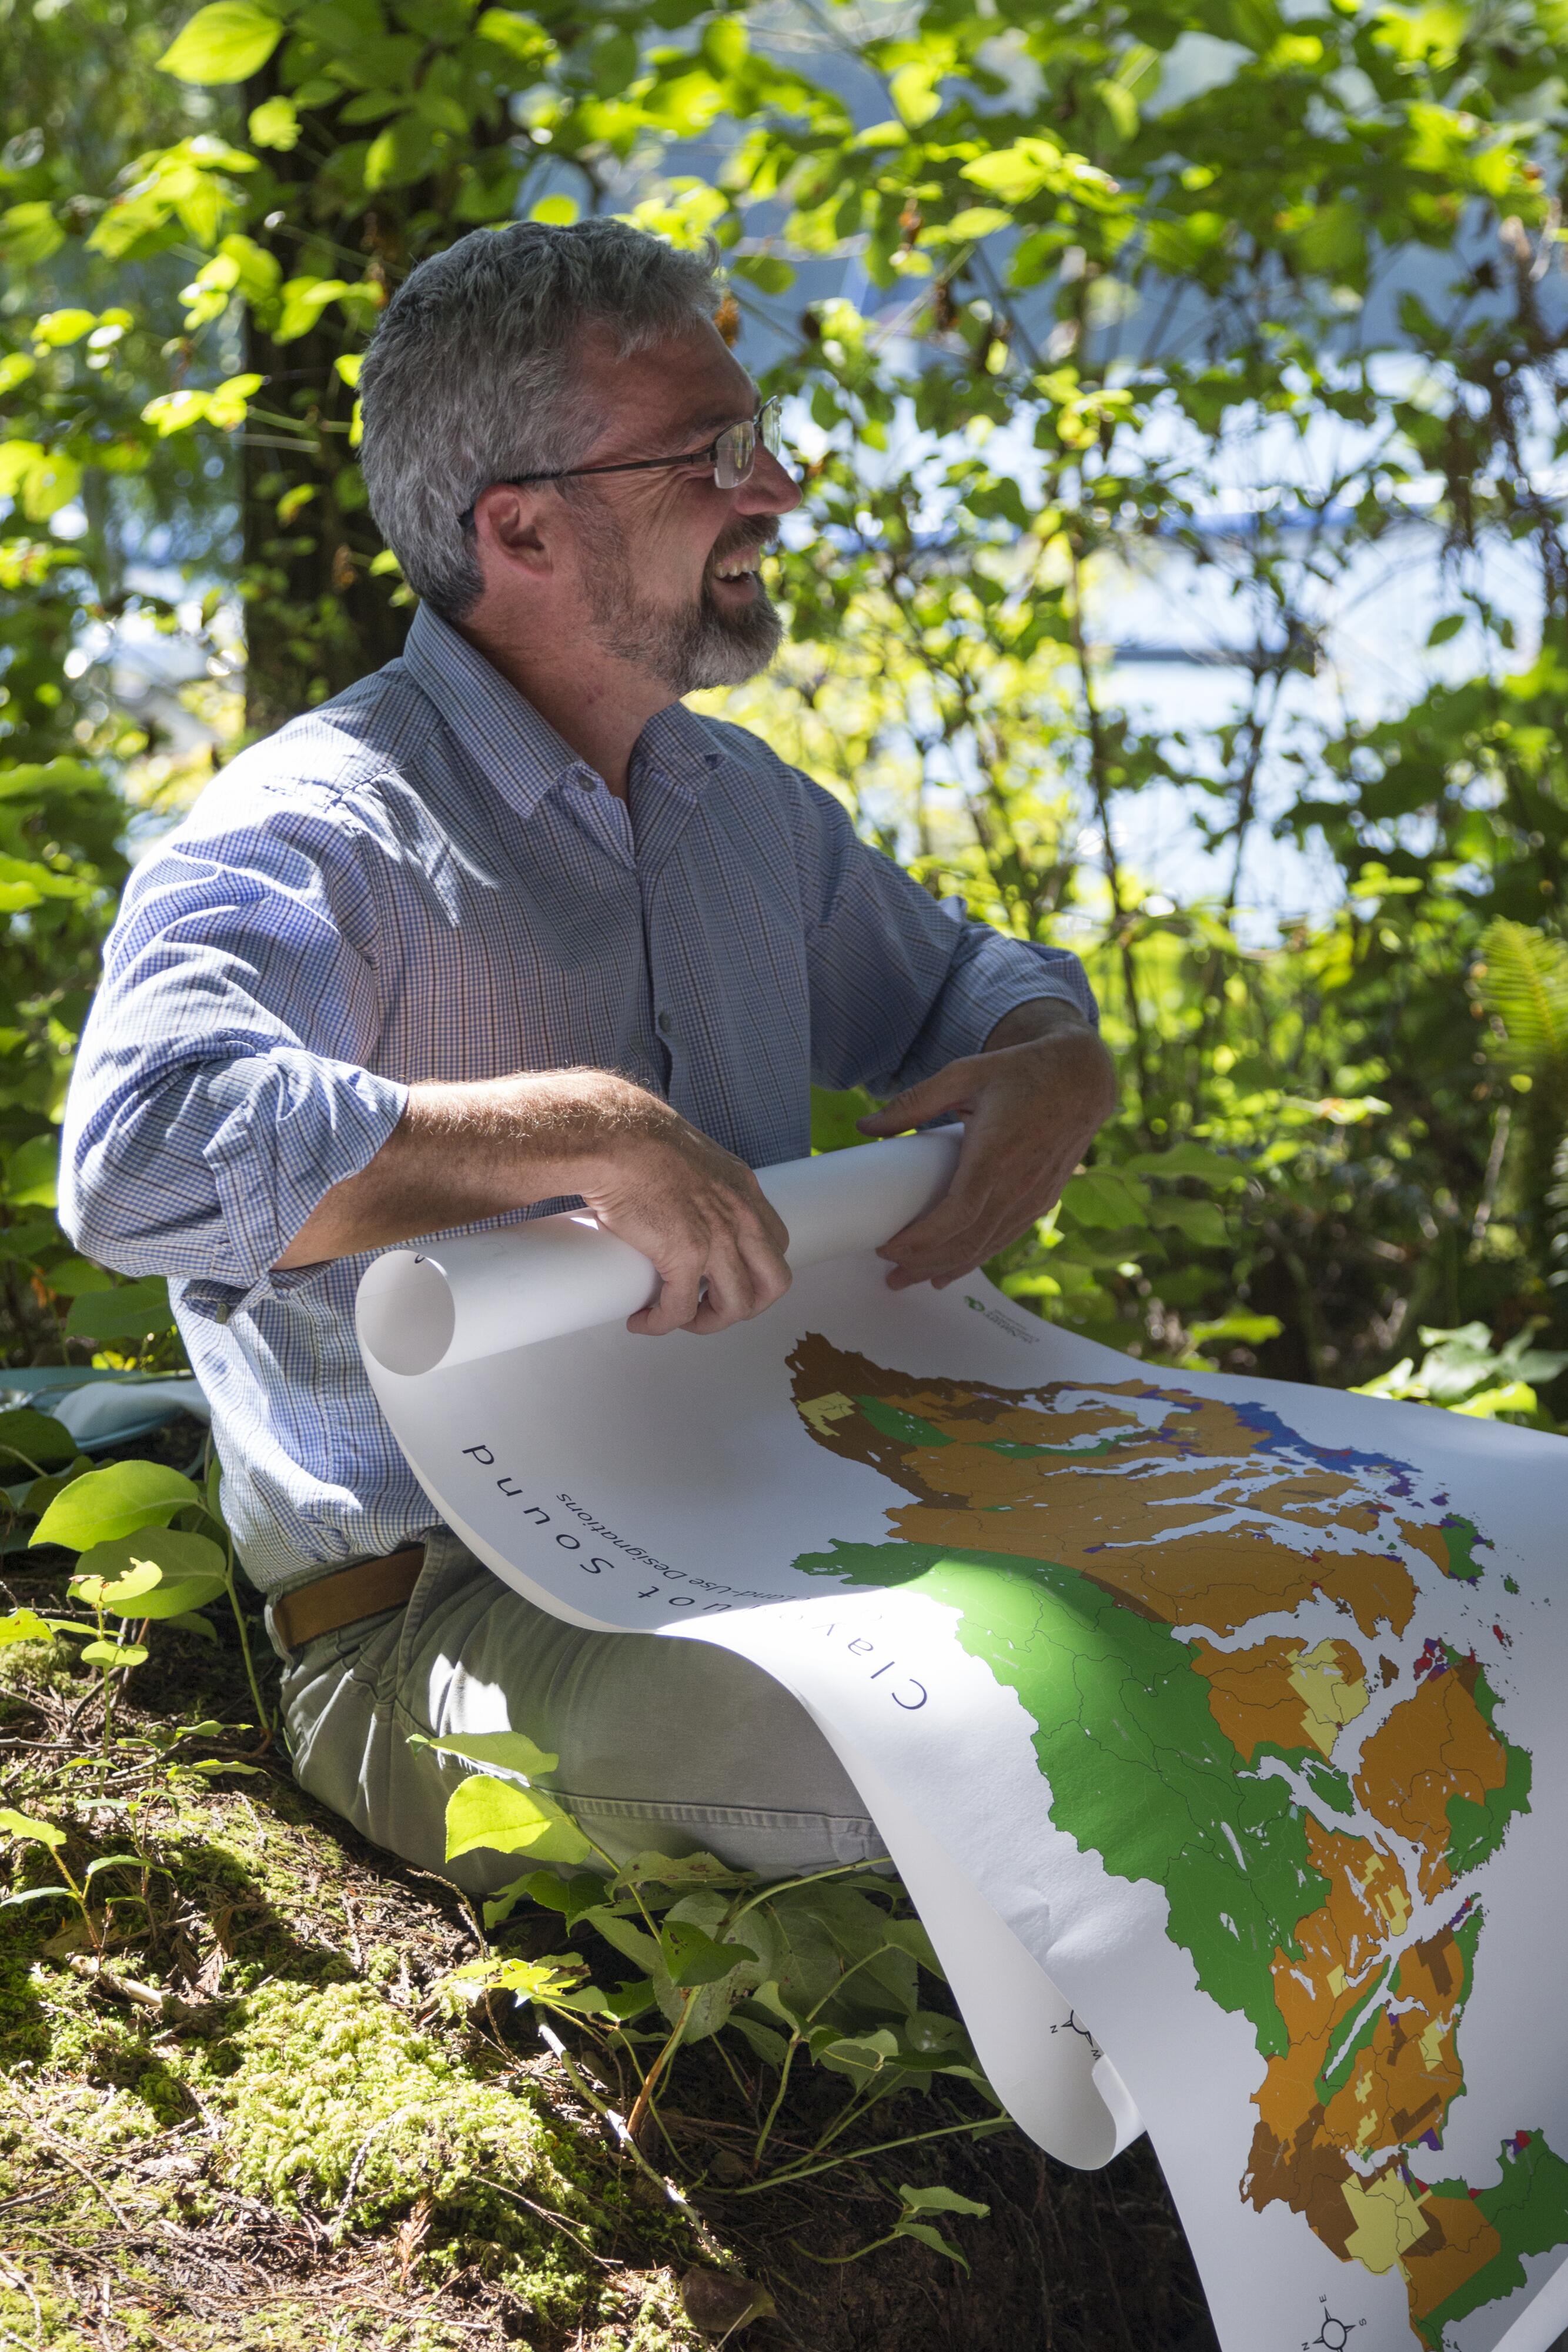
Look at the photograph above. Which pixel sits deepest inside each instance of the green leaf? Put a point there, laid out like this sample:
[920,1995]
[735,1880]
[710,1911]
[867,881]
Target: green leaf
[37,1832]
[35,1436]
[24,1625]
[229,40]
[932,2238]
[132,1310]
[1448,626]
[104,1504]
[191,1621]
[30,234]
[497,1814]
[574,1898]
[113,1653]
[184,1573]
[504,1751]
[99,1593]
[32,1173]
[1103,1197]
[1199,1221]
[693,1958]
[1247,1330]
[519,35]
[275,123]
[938,2200]
[1186,1159]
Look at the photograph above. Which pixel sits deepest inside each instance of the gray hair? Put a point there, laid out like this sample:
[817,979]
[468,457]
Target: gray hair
[472,374]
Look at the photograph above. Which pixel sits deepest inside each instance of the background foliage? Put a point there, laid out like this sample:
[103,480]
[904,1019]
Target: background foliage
[1105,254]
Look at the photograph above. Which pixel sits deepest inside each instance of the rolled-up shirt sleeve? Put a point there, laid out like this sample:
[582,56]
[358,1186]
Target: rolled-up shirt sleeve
[899,988]
[222,1087]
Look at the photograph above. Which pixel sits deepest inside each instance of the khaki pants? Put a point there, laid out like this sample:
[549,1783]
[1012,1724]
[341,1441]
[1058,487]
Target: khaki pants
[674,1746]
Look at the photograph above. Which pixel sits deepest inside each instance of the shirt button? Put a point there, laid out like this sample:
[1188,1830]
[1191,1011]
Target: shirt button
[665,1025]
[586,779]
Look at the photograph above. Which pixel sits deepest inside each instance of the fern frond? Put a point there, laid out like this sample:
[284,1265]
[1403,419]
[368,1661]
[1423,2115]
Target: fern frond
[1523,980]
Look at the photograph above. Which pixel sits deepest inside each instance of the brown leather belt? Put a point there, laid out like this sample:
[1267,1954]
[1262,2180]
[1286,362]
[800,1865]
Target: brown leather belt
[345,1596]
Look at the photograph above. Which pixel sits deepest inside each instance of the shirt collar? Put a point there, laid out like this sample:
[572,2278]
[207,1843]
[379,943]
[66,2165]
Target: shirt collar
[513,748]
[519,751]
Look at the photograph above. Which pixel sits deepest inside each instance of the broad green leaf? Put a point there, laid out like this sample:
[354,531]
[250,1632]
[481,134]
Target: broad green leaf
[104,1504]
[1103,1197]
[24,1625]
[116,1594]
[482,1811]
[1199,1221]
[175,1573]
[1247,1330]
[504,1751]
[229,40]
[37,1832]
[29,234]
[275,123]
[191,1621]
[938,2200]
[36,1437]
[932,2238]
[693,1958]
[573,1897]
[133,1310]
[114,1653]
[32,1173]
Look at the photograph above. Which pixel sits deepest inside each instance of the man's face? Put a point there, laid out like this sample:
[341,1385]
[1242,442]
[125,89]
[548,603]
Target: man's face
[669,559]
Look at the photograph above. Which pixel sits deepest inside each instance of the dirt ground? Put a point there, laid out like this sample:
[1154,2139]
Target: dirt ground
[255,2118]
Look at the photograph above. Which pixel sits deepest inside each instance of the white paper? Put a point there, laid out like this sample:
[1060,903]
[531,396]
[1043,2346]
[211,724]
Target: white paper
[1196,1714]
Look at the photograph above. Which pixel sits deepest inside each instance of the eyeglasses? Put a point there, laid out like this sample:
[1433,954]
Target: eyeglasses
[732,455]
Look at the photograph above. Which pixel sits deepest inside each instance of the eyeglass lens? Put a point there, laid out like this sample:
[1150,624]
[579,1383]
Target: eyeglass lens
[737,448]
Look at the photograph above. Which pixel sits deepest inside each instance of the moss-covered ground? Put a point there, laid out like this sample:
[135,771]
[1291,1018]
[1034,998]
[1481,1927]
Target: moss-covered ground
[238,2110]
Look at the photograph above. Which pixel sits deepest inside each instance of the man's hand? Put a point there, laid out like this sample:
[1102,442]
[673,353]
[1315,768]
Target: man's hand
[470,1151]
[1031,1104]
[699,1214]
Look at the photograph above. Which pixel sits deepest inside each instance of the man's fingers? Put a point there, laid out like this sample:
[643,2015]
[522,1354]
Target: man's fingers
[950,1089]
[680,1293]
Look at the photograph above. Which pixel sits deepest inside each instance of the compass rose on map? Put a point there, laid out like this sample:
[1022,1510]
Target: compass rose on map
[1073,2023]
[1334,2335]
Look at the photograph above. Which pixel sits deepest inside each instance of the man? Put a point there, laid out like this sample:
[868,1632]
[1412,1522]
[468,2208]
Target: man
[505,928]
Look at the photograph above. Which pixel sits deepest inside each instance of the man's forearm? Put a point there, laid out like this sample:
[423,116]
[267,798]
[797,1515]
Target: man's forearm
[464,1152]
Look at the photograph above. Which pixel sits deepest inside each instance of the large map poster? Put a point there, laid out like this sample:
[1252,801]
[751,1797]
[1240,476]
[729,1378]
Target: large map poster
[1218,1730]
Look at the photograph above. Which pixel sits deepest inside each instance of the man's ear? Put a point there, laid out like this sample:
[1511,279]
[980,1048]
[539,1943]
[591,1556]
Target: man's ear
[510,535]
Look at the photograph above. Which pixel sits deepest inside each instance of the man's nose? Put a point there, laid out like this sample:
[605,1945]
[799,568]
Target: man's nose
[769,489]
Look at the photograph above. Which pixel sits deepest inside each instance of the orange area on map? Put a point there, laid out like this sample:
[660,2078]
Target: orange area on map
[1436,1745]
[1176,1506]
[1282,1692]
[1399,2087]
[1406,2078]
[1134,1511]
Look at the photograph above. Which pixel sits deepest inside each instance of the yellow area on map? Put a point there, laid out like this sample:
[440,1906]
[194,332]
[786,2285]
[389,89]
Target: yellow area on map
[820,1413]
[1388,2221]
[1190,1511]
[1281,1693]
[1331,1683]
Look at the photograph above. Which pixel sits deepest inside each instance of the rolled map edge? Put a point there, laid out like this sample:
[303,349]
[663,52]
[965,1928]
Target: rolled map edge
[452,1301]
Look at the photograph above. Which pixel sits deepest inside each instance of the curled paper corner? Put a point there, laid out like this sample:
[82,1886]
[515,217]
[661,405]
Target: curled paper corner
[1119,2105]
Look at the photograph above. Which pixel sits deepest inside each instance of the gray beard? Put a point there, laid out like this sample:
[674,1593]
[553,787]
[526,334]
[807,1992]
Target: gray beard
[702,646]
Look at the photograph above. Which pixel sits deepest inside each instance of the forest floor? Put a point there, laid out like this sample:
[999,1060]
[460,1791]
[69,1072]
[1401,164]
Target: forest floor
[256,2116]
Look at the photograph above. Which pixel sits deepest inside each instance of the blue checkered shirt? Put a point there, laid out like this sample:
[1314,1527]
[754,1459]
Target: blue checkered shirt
[421,881]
